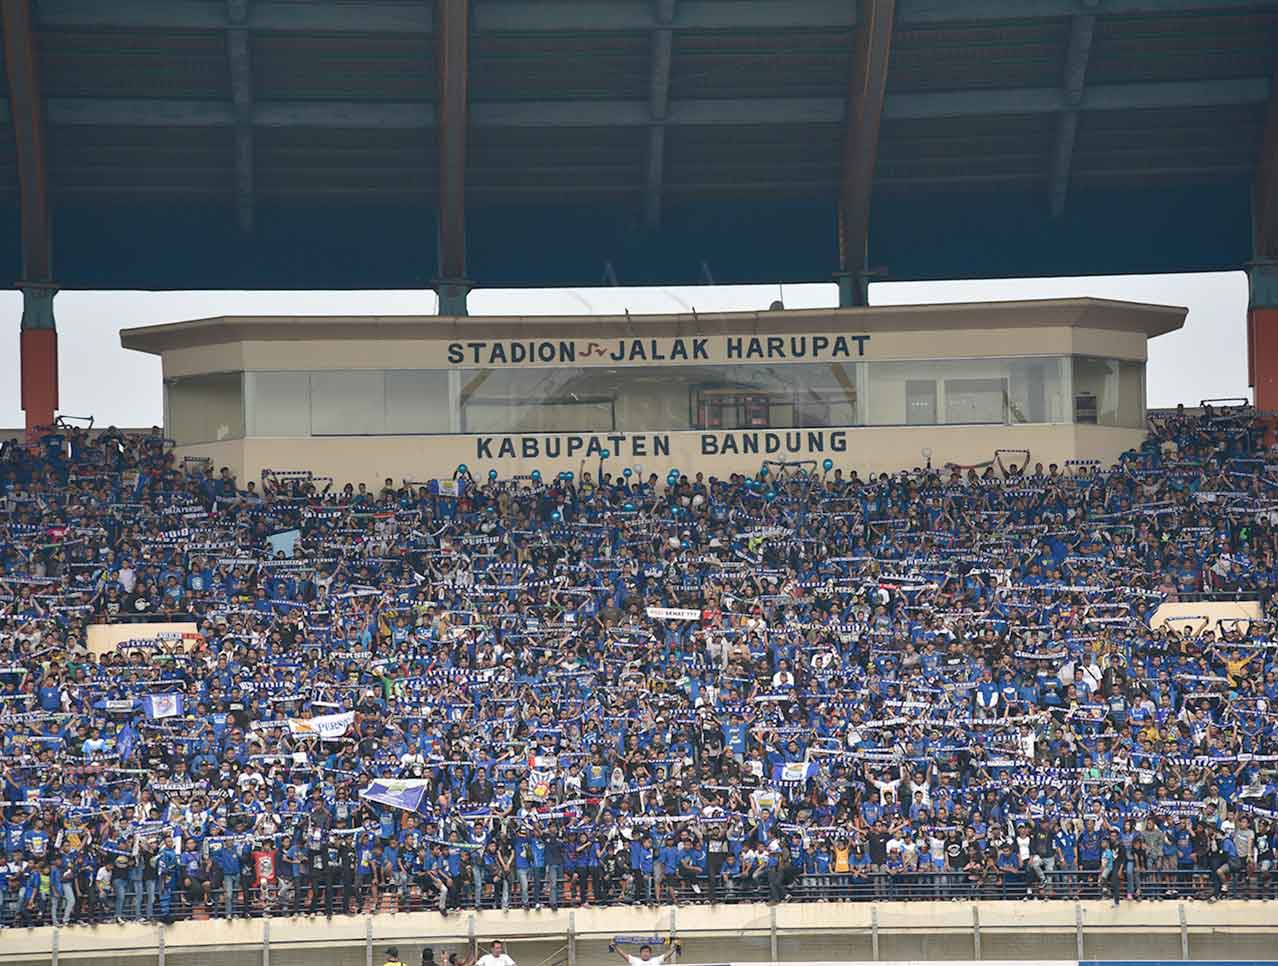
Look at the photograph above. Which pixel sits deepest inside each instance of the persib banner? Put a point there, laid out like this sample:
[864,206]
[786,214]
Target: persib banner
[325,727]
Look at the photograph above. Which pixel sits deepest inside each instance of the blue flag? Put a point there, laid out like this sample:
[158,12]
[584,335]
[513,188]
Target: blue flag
[405,793]
[126,742]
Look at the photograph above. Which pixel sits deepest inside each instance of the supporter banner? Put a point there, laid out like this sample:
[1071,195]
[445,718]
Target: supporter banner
[405,793]
[673,613]
[794,772]
[106,638]
[163,705]
[284,542]
[325,726]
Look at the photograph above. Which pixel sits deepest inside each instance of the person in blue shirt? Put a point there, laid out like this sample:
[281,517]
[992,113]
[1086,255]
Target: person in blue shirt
[1065,846]
[536,864]
[690,863]
[523,866]
[643,864]
[554,858]
[1090,846]
[225,855]
[62,895]
[1225,863]
[665,864]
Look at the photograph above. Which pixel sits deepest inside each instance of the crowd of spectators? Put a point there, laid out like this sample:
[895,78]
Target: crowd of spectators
[615,686]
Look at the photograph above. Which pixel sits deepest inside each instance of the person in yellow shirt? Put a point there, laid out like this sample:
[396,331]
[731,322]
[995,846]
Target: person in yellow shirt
[1234,667]
[842,854]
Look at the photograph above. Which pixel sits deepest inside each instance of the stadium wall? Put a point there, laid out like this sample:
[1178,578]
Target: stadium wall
[370,459]
[1158,931]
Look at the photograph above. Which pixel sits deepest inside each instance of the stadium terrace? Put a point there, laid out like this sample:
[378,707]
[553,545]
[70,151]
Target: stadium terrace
[1004,680]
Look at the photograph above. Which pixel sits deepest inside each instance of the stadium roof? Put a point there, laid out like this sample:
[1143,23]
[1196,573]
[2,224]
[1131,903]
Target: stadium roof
[387,143]
[1089,313]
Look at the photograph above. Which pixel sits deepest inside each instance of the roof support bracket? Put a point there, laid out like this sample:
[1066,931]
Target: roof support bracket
[1265,199]
[1082,28]
[26,115]
[452,52]
[240,64]
[658,109]
[867,87]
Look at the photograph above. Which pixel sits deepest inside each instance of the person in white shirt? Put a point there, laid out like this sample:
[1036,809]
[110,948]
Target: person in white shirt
[645,957]
[496,956]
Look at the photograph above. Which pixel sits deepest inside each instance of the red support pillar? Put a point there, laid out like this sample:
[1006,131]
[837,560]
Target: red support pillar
[38,342]
[39,377]
[1262,334]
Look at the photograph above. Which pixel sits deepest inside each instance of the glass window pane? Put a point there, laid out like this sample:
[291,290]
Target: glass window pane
[1096,391]
[1036,391]
[206,408]
[417,401]
[279,403]
[534,400]
[975,400]
[348,403]
[1131,395]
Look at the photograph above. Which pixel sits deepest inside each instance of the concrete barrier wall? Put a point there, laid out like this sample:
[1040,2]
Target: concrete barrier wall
[793,933]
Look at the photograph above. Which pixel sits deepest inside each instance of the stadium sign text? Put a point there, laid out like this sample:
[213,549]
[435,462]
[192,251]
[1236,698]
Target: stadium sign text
[585,446]
[729,348]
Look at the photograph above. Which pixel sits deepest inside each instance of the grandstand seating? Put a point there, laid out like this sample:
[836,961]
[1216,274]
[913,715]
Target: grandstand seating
[948,683]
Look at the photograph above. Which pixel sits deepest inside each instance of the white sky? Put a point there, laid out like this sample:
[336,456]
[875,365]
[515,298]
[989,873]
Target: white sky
[1207,359]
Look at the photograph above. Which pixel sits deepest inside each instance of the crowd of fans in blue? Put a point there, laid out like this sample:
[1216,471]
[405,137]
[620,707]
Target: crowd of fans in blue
[618,687]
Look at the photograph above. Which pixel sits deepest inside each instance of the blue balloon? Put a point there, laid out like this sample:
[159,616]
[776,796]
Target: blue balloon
[763,470]
[463,468]
[568,476]
[626,472]
[828,465]
[629,508]
[536,476]
[604,454]
[492,475]
[557,516]
[771,494]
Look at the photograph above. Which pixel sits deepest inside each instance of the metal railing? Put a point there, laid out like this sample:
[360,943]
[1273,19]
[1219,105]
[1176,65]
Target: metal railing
[135,902]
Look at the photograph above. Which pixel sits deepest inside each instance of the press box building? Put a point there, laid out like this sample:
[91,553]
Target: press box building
[361,399]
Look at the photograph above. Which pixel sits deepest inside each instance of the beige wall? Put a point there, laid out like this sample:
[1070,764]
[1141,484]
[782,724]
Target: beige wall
[1190,615]
[429,352]
[117,637]
[370,459]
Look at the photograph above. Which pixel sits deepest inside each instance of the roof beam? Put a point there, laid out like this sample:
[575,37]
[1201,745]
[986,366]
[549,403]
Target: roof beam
[267,16]
[1046,100]
[452,50]
[1266,192]
[573,16]
[923,12]
[786,111]
[26,112]
[658,108]
[240,65]
[1082,29]
[867,85]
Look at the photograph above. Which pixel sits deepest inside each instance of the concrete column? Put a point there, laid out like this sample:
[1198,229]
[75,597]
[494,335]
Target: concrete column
[1262,333]
[38,343]
[452,297]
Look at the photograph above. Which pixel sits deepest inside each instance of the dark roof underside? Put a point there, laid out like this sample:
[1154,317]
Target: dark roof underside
[142,135]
